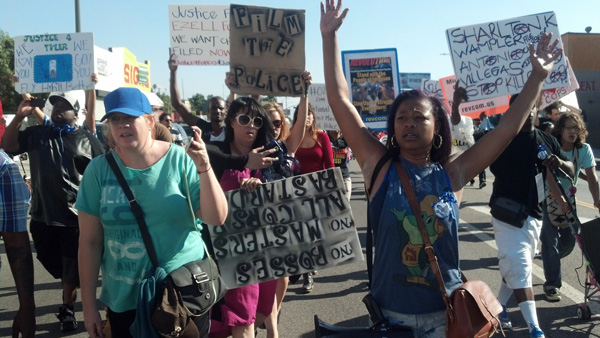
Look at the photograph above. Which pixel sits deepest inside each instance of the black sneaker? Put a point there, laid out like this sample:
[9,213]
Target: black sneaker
[553,295]
[66,316]
[482,185]
[307,287]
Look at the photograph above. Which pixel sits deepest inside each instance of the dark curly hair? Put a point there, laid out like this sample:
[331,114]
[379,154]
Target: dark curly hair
[439,111]
[560,126]
[264,135]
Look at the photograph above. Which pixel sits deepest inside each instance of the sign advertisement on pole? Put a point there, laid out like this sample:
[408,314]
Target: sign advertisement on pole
[267,50]
[492,59]
[286,227]
[372,77]
[54,62]
[199,34]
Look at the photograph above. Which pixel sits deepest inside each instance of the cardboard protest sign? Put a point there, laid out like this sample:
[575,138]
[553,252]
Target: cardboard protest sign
[492,59]
[317,96]
[286,227]
[372,77]
[550,96]
[54,62]
[492,106]
[267,50]
[199,34]
[412,80]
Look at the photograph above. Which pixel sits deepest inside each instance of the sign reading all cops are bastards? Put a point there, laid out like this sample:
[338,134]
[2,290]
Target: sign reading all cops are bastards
[54,62]
[286,227]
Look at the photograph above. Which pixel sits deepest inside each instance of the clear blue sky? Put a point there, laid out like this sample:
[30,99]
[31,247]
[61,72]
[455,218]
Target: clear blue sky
[416,29]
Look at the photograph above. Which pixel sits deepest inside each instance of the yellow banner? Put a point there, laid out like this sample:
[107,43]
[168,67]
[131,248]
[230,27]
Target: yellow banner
[135,74]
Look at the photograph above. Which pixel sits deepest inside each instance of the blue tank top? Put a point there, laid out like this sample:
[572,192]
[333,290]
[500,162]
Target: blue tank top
[402,277]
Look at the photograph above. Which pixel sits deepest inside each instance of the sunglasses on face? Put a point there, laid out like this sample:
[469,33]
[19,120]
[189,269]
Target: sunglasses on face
[244,120]
[276,123]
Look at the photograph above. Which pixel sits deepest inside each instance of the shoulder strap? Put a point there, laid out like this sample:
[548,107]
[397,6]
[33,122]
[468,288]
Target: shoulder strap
[135,209]
[414,205]
[369,252]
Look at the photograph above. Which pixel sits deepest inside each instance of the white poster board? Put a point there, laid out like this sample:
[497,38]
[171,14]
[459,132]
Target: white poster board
[317,96]
[199,34]
[286,227]
[492,59]
[47,63]
[550,96]
[109,69]
[432,87]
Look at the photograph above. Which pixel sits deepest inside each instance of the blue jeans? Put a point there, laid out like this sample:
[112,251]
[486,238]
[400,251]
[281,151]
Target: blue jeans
[428,325]
[555,242]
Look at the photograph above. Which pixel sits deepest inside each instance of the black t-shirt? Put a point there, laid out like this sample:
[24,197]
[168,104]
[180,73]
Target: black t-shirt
[516,167]
[340,155]
[57,161]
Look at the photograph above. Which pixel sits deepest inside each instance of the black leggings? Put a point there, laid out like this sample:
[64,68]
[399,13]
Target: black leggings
[121,321]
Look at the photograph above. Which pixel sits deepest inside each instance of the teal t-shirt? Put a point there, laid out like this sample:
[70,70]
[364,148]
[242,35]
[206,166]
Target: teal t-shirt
[161,192]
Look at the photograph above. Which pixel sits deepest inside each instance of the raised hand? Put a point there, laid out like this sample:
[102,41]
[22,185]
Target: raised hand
[197,150]
[230,81]
[307,77]
[332,16]
[172,61]
[543,56]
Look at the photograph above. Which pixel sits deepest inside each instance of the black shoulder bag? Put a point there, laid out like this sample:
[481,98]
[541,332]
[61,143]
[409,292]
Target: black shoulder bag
[189,291]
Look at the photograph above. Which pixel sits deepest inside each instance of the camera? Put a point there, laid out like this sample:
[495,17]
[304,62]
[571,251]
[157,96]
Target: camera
[40,103]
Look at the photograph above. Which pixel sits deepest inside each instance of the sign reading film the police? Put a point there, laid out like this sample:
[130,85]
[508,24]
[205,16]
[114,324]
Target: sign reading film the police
[54,62]
[267,50]
[286,227]
[492,59]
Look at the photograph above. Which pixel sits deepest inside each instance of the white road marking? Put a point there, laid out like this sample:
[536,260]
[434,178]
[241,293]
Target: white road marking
[567,290]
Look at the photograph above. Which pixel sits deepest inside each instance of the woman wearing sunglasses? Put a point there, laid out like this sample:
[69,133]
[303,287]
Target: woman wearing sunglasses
[248,129]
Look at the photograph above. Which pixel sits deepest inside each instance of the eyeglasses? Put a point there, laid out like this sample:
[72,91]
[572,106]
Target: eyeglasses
[573,128]
[276,123]
[244,120]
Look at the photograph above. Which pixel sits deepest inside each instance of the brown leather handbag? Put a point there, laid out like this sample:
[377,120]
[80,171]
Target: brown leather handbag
[471,310]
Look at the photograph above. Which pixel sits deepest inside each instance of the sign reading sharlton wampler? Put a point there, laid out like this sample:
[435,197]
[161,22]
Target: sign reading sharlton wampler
[286,227]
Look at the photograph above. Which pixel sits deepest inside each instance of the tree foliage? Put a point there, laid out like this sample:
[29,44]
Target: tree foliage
[197,102]
[10,98]
[166,99]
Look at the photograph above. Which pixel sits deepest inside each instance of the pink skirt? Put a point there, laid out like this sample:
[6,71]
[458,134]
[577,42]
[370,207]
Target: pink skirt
[241,306]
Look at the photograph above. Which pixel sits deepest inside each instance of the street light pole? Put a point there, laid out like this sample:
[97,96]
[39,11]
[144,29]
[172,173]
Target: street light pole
[77,21]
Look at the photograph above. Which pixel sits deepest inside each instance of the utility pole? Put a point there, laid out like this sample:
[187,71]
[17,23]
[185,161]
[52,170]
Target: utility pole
[77,21]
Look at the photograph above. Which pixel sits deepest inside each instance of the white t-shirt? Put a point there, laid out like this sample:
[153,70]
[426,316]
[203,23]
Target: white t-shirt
[462,134]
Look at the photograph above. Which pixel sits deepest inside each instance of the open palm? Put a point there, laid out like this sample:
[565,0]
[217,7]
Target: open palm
[332,16]
[542,59]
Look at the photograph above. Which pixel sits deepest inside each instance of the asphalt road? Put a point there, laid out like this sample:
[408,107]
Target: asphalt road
[338,291]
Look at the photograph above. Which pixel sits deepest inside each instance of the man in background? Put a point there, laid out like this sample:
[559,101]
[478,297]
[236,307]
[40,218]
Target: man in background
[58,155]
[14,204]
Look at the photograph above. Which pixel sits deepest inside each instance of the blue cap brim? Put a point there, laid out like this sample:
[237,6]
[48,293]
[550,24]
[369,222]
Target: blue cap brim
[126,111]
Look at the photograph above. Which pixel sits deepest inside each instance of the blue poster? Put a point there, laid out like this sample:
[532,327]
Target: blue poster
[53,68]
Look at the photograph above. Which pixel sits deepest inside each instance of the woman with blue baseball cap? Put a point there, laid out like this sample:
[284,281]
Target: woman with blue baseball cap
[157,173]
